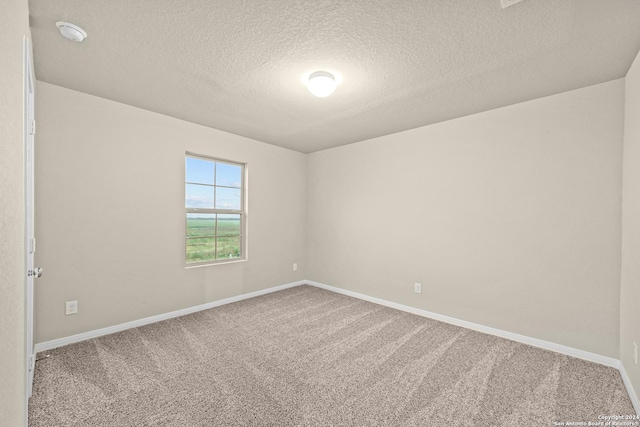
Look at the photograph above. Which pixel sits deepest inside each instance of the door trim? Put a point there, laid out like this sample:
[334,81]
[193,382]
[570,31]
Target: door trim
[29,198]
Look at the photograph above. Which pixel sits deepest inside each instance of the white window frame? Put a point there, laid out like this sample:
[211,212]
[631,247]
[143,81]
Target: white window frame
[242,211]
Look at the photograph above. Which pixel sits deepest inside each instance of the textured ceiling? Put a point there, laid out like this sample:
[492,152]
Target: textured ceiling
[236,65]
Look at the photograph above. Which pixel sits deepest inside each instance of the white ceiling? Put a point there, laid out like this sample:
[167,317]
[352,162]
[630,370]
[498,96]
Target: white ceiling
[236,65]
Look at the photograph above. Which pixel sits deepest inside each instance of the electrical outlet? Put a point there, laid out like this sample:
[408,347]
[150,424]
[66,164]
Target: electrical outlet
[417,287]
[507,3]
[295,266]
[635,353]
[71,307]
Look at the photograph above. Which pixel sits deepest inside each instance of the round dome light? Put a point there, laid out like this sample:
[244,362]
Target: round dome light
[321,84]
[71,31]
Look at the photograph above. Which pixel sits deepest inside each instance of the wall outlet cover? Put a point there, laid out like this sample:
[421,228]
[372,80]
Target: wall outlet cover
[71,307]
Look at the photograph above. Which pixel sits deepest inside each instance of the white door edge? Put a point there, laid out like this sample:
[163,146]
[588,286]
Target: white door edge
[29,247]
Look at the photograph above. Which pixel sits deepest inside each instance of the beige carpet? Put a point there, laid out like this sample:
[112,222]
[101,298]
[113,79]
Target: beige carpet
[309,357]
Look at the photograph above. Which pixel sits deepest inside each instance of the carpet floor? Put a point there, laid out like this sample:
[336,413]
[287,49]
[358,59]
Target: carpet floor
[309,357]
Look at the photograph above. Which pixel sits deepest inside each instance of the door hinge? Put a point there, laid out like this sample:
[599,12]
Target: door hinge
[33,127]
[30,363]
[32,245]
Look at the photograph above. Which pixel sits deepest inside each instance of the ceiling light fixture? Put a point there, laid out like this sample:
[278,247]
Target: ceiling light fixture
[321,84]
[71,31]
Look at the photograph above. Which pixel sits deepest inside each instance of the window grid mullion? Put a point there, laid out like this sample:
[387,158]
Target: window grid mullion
[215,241]
[215,190]
[199,183]
[213,211]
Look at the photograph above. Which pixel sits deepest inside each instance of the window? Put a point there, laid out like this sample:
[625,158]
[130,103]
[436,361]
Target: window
[214,205]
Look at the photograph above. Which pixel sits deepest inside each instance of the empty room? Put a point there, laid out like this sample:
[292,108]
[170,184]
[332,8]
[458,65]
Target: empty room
[327,213]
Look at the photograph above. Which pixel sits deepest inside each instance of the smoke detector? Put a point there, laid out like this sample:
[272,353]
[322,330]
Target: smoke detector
[71,31]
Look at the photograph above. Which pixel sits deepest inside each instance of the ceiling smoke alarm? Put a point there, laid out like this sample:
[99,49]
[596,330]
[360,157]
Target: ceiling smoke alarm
[71,31]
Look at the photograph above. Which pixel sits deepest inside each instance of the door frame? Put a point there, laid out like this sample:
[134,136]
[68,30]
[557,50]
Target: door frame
[29,170]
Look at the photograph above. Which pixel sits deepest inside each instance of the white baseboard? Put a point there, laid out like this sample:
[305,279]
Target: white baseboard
[48,345]
[627,383]
[547,345]
[558,348]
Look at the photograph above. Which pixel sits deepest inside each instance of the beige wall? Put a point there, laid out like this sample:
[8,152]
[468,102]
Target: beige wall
[509,218]
[14,25]
[110,214]
[630,287]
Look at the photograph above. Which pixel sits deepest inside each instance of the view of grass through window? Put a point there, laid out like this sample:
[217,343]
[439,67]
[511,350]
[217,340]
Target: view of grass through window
[214,213]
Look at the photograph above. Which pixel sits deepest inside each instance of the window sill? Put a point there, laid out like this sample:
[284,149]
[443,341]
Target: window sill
[211,264]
